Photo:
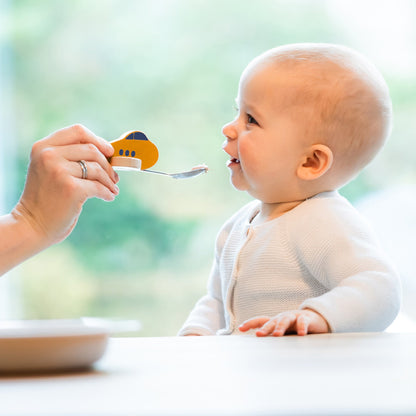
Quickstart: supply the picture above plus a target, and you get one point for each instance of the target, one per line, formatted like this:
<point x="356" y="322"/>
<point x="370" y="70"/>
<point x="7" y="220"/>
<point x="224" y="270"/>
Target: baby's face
<point x="265" y="143"/>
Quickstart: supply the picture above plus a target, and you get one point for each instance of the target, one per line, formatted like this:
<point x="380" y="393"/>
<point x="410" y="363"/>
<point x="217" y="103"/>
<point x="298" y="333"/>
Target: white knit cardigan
<point x="321" y="255"/>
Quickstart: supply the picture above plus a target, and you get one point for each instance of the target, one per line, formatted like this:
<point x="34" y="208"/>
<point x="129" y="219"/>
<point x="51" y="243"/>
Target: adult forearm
<point x="18" y="241"/>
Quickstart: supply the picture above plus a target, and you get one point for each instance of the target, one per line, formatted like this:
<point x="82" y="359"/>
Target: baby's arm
<point x="301" y="322"/>
<point x="207" y="316"/>
<point x="339" y="250"/>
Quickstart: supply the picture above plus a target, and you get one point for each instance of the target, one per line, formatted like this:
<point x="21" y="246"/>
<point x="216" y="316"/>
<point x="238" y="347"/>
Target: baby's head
<point x="321" y="111"/>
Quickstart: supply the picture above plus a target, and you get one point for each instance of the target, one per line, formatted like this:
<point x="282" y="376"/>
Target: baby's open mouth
<point x="232" y="161"/>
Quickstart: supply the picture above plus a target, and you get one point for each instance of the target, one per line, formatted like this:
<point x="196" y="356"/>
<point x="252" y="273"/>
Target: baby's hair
<point x="343" y="99"/>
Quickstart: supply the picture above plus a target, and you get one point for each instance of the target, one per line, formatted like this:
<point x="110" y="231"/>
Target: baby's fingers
<point x="267" y="329"/>
<point x="252" y="323"/>
<point x="283" y="323"/>
<point x="302" y="324"/>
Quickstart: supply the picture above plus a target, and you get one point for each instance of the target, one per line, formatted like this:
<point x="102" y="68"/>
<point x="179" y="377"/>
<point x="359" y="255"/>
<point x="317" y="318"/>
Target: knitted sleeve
<point x="339" y="250"/>
<point x="207" y="316"/>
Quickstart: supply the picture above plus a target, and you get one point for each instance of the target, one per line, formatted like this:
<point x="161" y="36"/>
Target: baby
<point x="299" y="258"/>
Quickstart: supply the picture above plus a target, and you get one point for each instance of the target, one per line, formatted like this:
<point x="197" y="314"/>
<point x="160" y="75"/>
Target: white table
<point x="337" y="374"/>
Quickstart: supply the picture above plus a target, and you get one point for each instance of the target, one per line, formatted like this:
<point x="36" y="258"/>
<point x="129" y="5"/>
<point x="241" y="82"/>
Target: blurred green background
<point x="169" y="68"/>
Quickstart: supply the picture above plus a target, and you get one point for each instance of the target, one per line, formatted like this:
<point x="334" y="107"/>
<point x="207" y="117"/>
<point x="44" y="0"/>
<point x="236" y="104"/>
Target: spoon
<point x="131" y="164"/>
<point x="181" y="175"/>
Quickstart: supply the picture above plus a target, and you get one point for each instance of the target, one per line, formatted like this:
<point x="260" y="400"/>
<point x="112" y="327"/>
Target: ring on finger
<point x="84" y="169"/>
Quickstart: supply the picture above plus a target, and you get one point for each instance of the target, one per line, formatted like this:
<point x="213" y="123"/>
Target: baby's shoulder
<point x="326" y="214"/>
<point x="244" y="215"/>
<point x="238" y="220"/>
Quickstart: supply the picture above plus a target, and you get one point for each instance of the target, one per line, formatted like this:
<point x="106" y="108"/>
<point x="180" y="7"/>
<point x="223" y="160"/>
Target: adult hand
<point x="55" y="192"/>
<point x="302" y="322"/>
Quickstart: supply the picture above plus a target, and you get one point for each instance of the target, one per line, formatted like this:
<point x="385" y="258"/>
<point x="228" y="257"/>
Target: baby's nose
<point x="229" y="131"/>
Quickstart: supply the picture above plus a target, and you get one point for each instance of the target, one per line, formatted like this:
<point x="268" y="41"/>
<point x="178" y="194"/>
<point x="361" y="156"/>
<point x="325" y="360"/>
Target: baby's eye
<point x="251" y="119"/>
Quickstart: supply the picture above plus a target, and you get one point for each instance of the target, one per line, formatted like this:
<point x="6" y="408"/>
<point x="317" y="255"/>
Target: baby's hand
<point x="302" y="322"/>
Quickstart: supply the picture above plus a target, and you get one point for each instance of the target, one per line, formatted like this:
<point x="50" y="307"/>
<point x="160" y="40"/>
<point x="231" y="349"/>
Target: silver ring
<point x="83" y="168"/>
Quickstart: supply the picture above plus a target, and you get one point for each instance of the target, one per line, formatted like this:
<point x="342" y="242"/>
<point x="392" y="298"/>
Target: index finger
<point x="255" y="322"/>
<point x="78" y="134"/>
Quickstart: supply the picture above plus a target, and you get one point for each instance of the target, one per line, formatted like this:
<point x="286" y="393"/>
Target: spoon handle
<point x="180" y="175"/>
<point x="156" y="172"/>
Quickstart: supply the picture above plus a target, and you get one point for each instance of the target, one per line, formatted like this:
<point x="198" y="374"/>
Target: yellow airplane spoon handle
<point x="134" y="149"/>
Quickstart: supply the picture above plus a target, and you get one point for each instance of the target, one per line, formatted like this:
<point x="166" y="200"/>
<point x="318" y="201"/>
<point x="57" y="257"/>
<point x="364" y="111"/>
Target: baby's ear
<point x="315" y="162"/>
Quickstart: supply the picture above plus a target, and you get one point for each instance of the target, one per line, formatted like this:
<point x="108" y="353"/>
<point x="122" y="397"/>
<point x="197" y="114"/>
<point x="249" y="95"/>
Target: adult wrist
<point x="33" y="236"/>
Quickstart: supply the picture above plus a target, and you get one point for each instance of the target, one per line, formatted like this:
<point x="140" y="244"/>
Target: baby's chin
<point x="238" y="183"/>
